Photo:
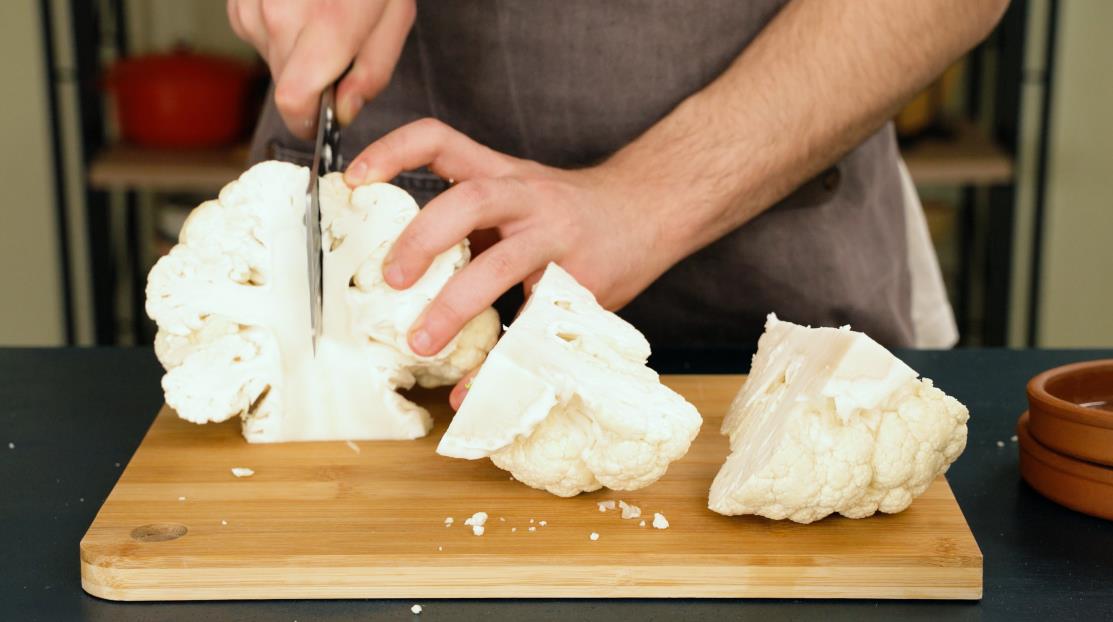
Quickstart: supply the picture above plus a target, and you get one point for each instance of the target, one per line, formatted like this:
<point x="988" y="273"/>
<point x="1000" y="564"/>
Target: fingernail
<point x="393" y="274"/>
<point x="458" y="395"/>
<point x="420" y="341"/>
<point x="357" y="172"/>
<point x="352" y="106"/>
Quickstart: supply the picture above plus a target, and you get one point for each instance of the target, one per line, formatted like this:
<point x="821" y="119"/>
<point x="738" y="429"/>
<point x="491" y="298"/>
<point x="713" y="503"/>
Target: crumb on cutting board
<point x="659" y="521"/>
<point x="477" y="522"/>
<point x="594" y="536"/>
<point x="606" y="505"/>
<point x="629" y="511"/>
<point x="242" y="471"/>
<point x="353" y="447"/>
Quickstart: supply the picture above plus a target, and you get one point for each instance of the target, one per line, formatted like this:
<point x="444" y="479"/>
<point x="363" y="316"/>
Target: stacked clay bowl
<point x="1066" y="437"/>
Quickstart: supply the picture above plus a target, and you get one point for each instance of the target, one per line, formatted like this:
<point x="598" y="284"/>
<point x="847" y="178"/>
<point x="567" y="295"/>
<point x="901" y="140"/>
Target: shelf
<point x="969" y="157"/>
<point x="125" y="167"/>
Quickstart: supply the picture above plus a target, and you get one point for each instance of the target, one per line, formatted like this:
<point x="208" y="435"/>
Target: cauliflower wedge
<point x="830" y="421"/>
<point x="566" y="403"/>
<point x="232" y="306"/>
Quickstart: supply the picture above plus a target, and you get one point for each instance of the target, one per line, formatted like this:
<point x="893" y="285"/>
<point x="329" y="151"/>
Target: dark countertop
<point x="76" y="415"/>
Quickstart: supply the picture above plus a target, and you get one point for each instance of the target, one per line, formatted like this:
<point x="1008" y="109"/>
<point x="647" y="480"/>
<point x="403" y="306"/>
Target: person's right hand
<point x="309" y="43"/>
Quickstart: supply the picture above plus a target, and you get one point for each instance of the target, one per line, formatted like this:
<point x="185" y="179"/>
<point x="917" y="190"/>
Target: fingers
<point x="529" y="282"/>
<point x="282" y="20"/>
<point x="445" y="221"/>
<point x="321" y="52"/>
<point x="246" y="19"/>
<point x="460" y="391"/>
<point x="426" y="142"/>
<point x="475" y="288"/>
<point x="373" y="66"/>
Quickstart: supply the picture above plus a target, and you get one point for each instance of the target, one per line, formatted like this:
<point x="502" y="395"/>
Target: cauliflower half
<point x="566" y="403"/>
<point x="232" y="306"/>
<point x="830" y="421"/>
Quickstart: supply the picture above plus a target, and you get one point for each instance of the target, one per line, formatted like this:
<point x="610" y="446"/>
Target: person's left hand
<point x="588" y="221"/>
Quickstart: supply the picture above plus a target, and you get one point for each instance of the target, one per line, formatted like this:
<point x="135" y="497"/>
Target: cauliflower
<point x="566" y="403"/>
<point x="830" y="421"/>
<point x="232" y="307"/>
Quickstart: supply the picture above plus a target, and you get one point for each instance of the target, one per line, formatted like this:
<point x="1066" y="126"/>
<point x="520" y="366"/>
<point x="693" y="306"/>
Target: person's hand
<point x="309" y="43"/>
<point x="587" y="220"/>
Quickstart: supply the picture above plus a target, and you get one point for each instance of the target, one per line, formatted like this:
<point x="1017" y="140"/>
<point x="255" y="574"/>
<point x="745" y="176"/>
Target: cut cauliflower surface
<point x="566" y="403"/>
<point x="830" y="421"/>
<point x="232" y="306"/>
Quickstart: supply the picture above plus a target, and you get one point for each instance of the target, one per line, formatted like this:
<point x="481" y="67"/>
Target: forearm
<point x="818" y="80"/>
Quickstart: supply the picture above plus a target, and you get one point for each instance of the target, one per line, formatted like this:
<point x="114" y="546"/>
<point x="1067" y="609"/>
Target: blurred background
<point x="124" y="114"/>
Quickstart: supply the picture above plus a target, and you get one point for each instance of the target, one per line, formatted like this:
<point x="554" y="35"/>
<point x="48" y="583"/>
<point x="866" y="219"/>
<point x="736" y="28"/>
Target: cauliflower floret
<point x="232" y="306"/>
<point x="566" y="403"/>
<point x="829" y="421"/>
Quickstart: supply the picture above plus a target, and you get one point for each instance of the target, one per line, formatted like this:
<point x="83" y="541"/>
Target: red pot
<point x="180" y="99"/>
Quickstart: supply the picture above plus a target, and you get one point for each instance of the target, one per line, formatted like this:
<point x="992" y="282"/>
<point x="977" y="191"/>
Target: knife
<point x="326" y="159"/>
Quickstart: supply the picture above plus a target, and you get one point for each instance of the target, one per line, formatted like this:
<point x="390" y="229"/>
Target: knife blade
<point x="326" y="159"/>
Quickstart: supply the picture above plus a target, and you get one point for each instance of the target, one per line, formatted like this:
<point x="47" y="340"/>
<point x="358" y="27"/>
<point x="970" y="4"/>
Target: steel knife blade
<point x="326" y="158"/>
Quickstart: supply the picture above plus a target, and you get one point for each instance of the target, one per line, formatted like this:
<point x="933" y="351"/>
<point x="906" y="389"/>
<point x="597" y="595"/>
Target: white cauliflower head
<point x="232" y="306"/>
<point x="566" y="403"/>
<point x="830" y="421"/>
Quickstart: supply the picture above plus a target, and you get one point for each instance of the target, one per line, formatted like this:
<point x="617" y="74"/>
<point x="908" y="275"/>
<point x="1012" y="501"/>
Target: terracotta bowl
<point x="1072" y="410"/>
<point x="1078" y="485"/>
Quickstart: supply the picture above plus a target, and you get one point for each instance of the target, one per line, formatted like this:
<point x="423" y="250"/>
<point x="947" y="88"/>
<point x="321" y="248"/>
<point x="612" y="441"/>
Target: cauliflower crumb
<point x="513" y="529"/>
<point x="533" y="528"/>
<point x="242" y="472"/>
<point x="117" y="465"/>
<point x="629" y="511"/>
<point x="448" y="520"/>
<point x="223" y="522"/>
<point x="11" y="445"/>
<point x="181" y="498"/>
<point x="416" y="609"/>
<point x="502" y="519"/>
<point x="353" y="446"/>
<point x="476" y="523"/>
<point x="606" y="505"/>
<point x="1013" y="438"/>
<point x="1000" y="443"/>
<point x="659" y="521"/>
<point x="543" y="523"/>
<point x="531" y="521"/>
<point x="440" y="548"/>
<point x="594" y="536"/>
<point x="641" y="524"/>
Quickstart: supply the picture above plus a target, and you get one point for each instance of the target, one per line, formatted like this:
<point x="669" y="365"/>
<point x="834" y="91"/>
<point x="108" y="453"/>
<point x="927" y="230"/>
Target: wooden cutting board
<point x="322" y="520"/>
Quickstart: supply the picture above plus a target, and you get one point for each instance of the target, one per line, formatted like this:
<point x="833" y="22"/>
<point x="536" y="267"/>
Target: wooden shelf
<point x="969" y="157"/>
<point x="125" y="167"/>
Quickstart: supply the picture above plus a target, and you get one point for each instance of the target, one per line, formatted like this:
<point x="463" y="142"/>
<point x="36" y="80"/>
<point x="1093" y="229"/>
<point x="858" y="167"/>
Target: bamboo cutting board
<point x="321" y="520"/>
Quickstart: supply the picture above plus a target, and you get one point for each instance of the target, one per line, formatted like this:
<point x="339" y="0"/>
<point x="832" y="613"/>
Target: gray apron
<point x="568" y="83"/>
